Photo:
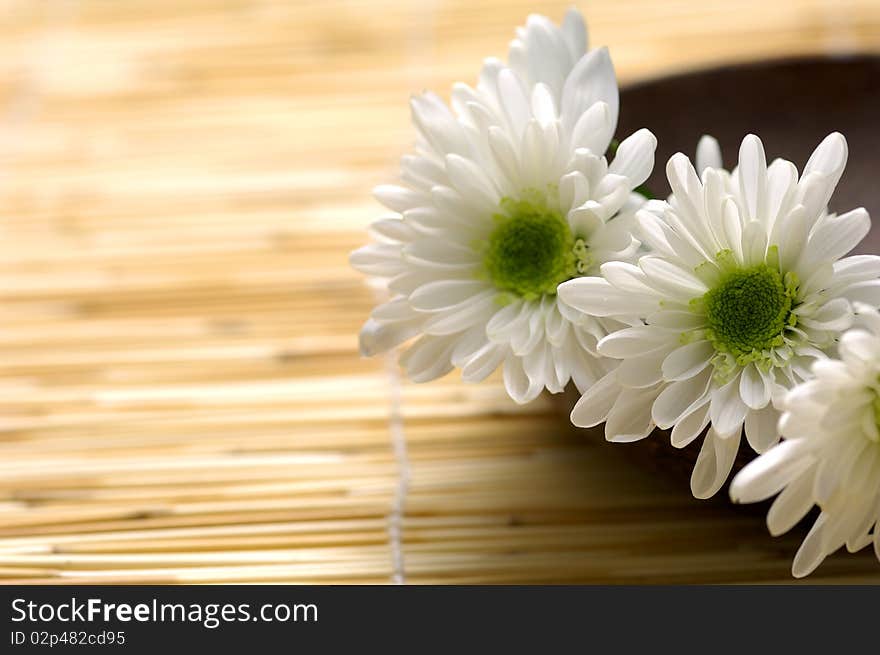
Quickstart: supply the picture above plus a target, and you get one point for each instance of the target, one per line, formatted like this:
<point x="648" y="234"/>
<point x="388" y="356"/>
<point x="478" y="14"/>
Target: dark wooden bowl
<point x="792" y="105"/>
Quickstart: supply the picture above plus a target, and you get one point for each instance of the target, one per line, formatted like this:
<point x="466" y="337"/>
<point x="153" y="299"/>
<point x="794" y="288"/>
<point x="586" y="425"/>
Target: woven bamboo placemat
<point x="181" y="399"/>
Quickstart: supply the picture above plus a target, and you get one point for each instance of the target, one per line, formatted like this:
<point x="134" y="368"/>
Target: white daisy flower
<point x="745" y="287"/>
<point x="831" y="453"/>
<point x="505" y="197"/>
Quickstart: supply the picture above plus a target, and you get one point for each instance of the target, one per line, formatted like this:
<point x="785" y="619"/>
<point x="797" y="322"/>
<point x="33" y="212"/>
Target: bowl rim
<point x="752" y="65"/>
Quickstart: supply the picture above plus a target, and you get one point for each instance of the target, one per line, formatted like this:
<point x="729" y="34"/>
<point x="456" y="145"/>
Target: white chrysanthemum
<point x="505" y="198"/>
<point x="745" y="287"/>
<point x="831" y="453"/>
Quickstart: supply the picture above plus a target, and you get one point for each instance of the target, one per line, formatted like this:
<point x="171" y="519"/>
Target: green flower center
<point x="748" y="312"/>
<point x="532" y="250"/>
<point x="876" y="407"/>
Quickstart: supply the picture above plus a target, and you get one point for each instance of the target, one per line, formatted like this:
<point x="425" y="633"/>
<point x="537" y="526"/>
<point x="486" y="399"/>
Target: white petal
<point x="397" y="309"/>
<point x="630" y="418"/>
<point x="392" y="229"/>
<point x="438" y="125"/>
<point x="635" y="157"/>
<point x="376" y="337"/>
<point x="812" y="552"/>
<point x="708" y="154"/>
<point x="483" y="363"/>
<point x="470" y="181"/>
<point x="866" y="317"/>
<point x="791" y="505"/>
<point x="670" y="279"/>
<point x="381" y="259"/>
<point x="573" y="190"/>
<point x="505" y="156"/>
<point x="463" y="95"/>
<point x="421" y="172"/>
<point x="594" y="405"/>
<point x="477" y="310"/>
<point x="507" y="321"/>
<point x="532" y="333"/>
<point x="688" y="192"/>
<point x="538" y="365"/>
<point x="835" y="315"/>
<point x="752" y="173"/>
<point x="476" y="116"/>
<point x="441" y="253"/>
<point x="468" y="344"/>
<point x="864" y="292"/>
<point x="640" y="372"/>
<point x="829" y="158"/>
<point x="596" y="297"/>
<point x="877" y="540"/>
<point x="586" y="220"/>
<point x="713" y="463"/>
<point x="586" y="370"/>
<point x="762" y="428"/>
<point x="727" y="410"/>
<point x="679" y="397"/>
<point x="793" y="232"/>
<point x="615" y="238"/>
<point x="675" y="319"/>
<point x="688" y="360"/>
<point x="488" y="80"/>
<point x="689" y="426"/>
<point x="732" y="224"/>
<point x="766" y="475"/>
<point x="831" y="472"/>
<point x="575" y="33"/>
<point x="855" y="543"/>
<point x="821" y="279"/>
<point x="837" y="236"/>
<point x="428" y="358"/>
<point x="593" y="129"/>
<point x="859" y="345"/>
<point x="813" y="193"/>
<point x="433" y="219"/>
<point x="413" y="277"/>
<point x="516" y="382"/>
<point x="636" y="341"/>
<point x="856" y="268"/>
<point x="444" y="294"/>
<point x="626" y="277"/>
<point x="592" y="80"/>
<point x="661" y="239"/>
<point x="753" y="388"/>
<point x="546" y="55"/>
<point x="556" y="326"/>
<point x="543" y="107"/>
<point x="782" y="177"/>
<point x="754" y="243"/>
<point x="514" y="101"/>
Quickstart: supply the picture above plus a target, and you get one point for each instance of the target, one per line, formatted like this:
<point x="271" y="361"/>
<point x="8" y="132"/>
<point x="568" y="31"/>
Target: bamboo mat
<point x="181" y="399"/>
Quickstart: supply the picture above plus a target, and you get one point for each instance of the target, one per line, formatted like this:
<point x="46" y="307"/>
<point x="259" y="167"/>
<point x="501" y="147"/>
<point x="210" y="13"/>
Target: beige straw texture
<point x="181" y="398"/>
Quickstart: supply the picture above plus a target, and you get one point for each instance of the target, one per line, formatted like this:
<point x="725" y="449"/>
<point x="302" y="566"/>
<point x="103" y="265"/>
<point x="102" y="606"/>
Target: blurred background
<point x="181" y="398"/>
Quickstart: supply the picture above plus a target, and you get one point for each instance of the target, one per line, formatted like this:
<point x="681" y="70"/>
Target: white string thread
<point x="401" y="458"/>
